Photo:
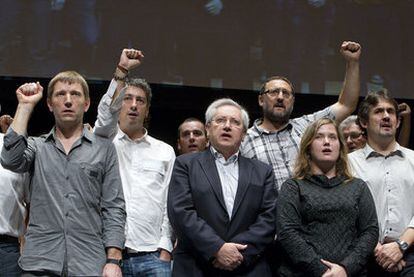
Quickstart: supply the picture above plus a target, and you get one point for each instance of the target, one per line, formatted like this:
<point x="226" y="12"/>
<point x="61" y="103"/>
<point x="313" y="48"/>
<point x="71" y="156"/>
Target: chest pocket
<point x="154" y="170"/>
<point x="94" y="175"/>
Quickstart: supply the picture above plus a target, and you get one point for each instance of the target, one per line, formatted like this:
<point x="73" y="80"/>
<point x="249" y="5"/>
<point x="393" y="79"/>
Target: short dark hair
<point x="263" y="87"/>
<point x="189" y="119"/>
<point x="371" y="100"/>
<point x="142" y="84"/>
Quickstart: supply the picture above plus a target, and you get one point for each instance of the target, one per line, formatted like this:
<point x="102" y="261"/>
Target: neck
<point x="272" y="125"/>
<point x="383" y="146"/>
<point x="328" y="170"/>
<point x="134" y="133"/>
<point x="69" y="132"/>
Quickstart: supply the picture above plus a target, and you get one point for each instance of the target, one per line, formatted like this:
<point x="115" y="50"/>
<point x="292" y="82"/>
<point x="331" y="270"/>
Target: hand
<point x="398" y="267"/>
<point x="334" y="270"/>
<point x="351" y="51"/>
<point x="130" y="58"/>
<point x="29" y="94"/>
<point x="5" y="122"/>
<point x="165" y="255"/>
<point x="404" y="110"/>
<point x="214" y="7"/>
<point x="389" y="255"/>
<point x="229" y="256"/>
<point x="112" y="270"/>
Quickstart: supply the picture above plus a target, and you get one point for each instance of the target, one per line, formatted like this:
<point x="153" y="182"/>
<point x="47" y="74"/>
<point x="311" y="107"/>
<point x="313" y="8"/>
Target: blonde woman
<point x="326" y="219"/>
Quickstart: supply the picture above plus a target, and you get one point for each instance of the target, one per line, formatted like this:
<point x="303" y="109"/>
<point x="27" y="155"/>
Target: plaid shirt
<point x="279" y="148"/>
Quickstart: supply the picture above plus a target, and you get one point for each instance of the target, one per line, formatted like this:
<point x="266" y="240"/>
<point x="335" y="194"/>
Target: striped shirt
<point x="279" y="148"/>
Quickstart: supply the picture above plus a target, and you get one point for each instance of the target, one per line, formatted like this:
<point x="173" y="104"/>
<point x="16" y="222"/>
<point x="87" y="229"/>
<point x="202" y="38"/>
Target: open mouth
<point x="326" y="151"/>
<point x="226" y="135"/>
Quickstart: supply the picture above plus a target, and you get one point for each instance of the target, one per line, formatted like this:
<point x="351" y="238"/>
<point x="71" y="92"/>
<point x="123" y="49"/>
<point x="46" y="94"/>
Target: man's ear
<point x="49" y="105"/>
<point x="260" y="100"/>
<point x="86" y="105"/>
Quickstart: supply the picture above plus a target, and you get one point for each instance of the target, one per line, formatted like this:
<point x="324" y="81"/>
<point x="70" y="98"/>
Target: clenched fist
<point x="29" y="93"/>
<point x="130" y="58"/>
<point x="350" y="50"/>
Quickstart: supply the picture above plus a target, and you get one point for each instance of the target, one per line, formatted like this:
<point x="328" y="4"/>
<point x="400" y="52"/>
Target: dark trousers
<point x="374" y="270"/>
<point x="9" y="256"/>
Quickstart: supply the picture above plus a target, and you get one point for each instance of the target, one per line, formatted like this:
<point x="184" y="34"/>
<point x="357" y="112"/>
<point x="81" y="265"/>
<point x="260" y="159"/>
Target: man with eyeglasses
<point x="353" y="134"/>
<point x="274" y="139"/>
<point x="145" y="165"/>
<point x="222" y="205"/>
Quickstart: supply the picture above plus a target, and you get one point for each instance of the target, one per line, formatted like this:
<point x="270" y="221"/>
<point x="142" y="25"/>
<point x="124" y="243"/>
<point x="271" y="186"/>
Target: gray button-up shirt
<point x="77" y="206"/>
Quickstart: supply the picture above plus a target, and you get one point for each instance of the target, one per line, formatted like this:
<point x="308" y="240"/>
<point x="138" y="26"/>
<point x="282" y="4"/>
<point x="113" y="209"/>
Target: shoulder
<point x="160" y="143"/>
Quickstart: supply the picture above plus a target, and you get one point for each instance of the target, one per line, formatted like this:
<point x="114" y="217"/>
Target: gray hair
<point x="348" y="122"/>
<point x="212" y="109"/>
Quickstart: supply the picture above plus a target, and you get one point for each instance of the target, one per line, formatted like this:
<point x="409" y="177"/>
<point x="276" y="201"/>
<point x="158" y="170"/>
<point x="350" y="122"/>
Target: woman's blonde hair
<point x="303" y="160"/>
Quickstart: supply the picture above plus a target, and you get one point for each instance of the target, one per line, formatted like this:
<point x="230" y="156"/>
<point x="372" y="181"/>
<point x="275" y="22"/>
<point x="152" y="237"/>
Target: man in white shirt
<point x="13" y="193"/>
<point x="388" y="169"/>
<point x="145" y="166"/>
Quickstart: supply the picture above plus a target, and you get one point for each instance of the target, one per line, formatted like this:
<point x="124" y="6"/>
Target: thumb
<point x="328" y="264"/>
<point x="240" y="246"/>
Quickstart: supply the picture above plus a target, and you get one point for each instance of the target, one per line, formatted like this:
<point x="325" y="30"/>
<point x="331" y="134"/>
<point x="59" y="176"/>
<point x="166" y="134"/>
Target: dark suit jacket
<point x="199" y="217"/>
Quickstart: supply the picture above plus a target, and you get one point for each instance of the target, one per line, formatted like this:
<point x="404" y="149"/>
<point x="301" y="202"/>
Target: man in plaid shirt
<point x="274" y="139"/>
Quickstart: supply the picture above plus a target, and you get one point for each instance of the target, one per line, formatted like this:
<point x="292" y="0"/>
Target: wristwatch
<point x="402" y="245"/>
<point x="114" y="261"/>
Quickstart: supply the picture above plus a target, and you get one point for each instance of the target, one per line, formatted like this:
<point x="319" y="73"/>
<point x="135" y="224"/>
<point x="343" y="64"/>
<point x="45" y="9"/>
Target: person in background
<point x="326" y="219"/>
<point x="13" y="212"/>
<point x="191" y="136"/>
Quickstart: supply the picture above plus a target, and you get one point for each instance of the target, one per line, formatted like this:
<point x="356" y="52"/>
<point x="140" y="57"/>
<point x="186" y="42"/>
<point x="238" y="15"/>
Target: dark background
<point x="193" y="56"/>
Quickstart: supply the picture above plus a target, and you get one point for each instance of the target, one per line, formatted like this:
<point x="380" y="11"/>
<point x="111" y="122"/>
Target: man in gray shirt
<point x="77" y="214"/>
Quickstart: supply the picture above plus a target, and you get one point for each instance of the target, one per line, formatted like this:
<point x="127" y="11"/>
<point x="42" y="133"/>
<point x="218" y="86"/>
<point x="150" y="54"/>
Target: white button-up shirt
<point x="391" y="181"/>
<point x="228" y="171"/>
<point x="13" y="192"/>
<point x="146" y="166"/>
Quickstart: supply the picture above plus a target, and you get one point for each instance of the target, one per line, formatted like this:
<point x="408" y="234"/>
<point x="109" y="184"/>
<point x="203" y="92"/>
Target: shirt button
<point x="390" y="209"/>
<point x="388" y="172"/>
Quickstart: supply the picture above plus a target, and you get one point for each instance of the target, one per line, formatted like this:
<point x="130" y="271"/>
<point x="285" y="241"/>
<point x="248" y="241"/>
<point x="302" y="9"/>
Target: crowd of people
<point x="308" y="196"/>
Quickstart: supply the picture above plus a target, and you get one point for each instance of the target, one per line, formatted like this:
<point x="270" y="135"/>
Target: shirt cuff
<point x="166" y="243"/>
<point x="114" y="106"/>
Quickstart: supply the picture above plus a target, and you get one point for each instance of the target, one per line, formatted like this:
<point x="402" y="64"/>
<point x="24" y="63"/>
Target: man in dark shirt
<point x="77" y="209"/>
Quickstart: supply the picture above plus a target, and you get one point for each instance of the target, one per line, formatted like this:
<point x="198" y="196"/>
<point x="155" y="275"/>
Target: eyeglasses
<point x="353" y="135"/>
<point x="222" y="121"/>
<point x="276" y="91"/>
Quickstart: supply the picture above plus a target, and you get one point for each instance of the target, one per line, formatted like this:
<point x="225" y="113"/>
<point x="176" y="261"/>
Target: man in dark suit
<point x="220" y="204"/>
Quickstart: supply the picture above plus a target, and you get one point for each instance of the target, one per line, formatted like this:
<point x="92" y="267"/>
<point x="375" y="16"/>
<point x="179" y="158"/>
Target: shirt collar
<point x="219" y="157"/>
<point x="86" y="134"/>
<point x="145" y="138"/>
<point x="260" y="130"/>
<point x="369" y="152"/>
